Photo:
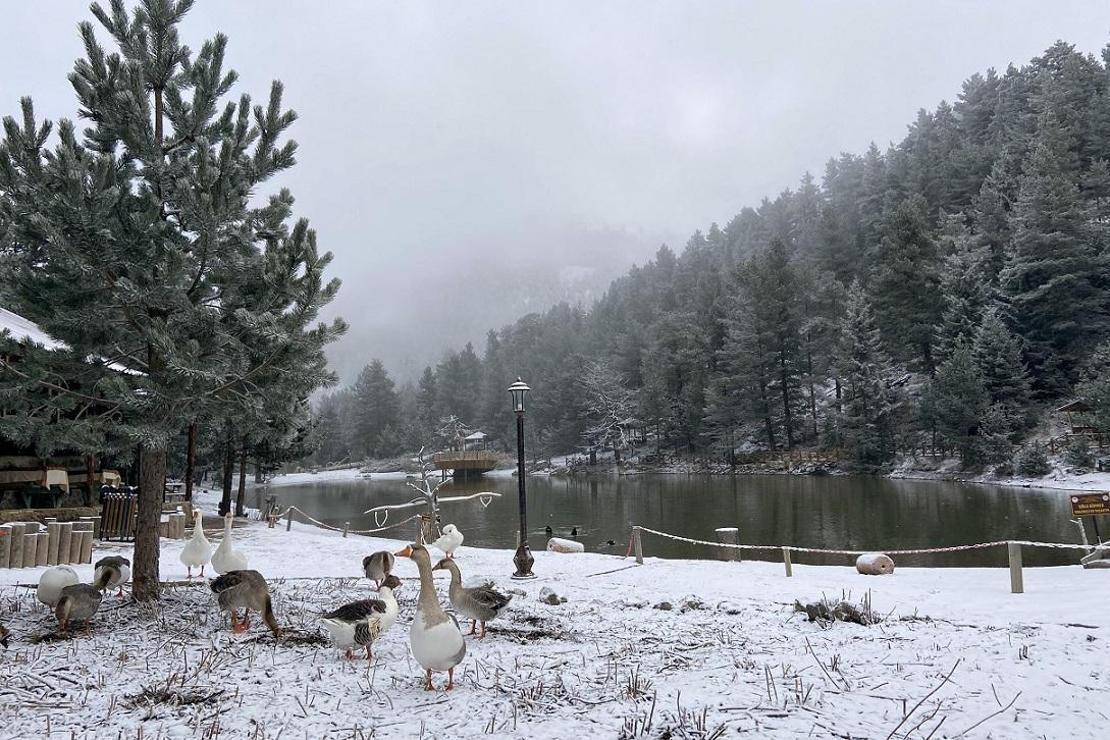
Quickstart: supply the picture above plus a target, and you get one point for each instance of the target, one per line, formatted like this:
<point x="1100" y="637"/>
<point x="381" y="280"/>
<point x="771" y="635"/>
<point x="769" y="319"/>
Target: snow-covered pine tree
<point x="906" y="286"/>
<point x="1055" y="269"/>
<point x="136" y="242"/>
<point x="965" y="286"/>
<point x="377" y="409"/>
<point x="997" y="355"/>
<point x="865" y="424"/>
<point x="959" y="400"/>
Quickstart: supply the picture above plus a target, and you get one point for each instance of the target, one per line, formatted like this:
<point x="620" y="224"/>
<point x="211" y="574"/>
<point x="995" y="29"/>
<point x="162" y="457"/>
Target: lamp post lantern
<point x="523" y="558"/>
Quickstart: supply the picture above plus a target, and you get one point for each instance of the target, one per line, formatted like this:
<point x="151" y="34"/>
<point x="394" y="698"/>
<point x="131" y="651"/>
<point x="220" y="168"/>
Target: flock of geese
<point x="435" y="637"/>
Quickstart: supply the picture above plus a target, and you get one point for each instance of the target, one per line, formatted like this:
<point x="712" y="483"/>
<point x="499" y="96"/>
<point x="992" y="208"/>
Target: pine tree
<point x="959" y="401"/>
<point x="906" y="285"/>
<point x="965" y="285"/>
<point x="866" y="422"/>
<point x="1055" y="272"/>
<point x="377" y="410"/>
<point x="997" y="355"/>
<point x="150" y="211"/>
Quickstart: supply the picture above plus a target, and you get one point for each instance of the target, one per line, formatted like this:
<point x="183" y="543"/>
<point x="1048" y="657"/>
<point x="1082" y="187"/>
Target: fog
<point x="468" y="162"/>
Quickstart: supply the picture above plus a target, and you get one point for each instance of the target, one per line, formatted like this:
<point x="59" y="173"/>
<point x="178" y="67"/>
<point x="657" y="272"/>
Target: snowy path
<point x="731" y="653"/>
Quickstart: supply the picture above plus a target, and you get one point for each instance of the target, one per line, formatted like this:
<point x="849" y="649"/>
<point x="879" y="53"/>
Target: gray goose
<point x="4" y="636"/>
<point x="112" y="572"/>
<point x="77" y="603"/>
<point x="362" y="622"/>
<point x="246" y="590"/>
<point x="377" y="566"/>
<point x="480" y="603"/>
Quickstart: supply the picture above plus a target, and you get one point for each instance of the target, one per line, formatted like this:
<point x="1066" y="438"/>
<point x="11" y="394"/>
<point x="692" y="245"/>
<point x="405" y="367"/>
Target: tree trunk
<point x="787" y="416"/>
<point x="617" y="455"/>
<point x="258" y="472"/>
<point x="190" y="460"/>
<point x="241" y="495"/>
<point x="229" y="464"/>
<point x="144" y="573"/>
<point x="90" y="484"/>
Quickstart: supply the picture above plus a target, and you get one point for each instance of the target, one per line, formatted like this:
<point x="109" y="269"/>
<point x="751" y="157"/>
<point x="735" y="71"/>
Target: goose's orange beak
<point x="405" y="552"/>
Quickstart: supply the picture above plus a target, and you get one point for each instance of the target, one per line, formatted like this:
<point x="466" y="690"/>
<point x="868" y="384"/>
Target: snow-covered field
<point x="956" y="655"/>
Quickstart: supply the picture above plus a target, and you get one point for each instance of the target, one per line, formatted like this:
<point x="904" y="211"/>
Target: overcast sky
<point x="454" y="155"/>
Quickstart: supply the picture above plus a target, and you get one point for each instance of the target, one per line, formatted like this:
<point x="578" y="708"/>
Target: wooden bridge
<point x="465" y="463"/>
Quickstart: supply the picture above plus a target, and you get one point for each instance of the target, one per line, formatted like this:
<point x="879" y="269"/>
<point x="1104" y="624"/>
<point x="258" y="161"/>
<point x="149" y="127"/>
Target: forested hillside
<point x="933" y="294"/>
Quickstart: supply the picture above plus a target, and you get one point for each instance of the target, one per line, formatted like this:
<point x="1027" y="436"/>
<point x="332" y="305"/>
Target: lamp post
<point x="523" y="558"/>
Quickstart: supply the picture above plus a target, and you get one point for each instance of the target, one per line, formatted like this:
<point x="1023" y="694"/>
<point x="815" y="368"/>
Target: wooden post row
<point x="637" y="546"/>
<point x="786" y="562"/>
<point x="5" y="545"/>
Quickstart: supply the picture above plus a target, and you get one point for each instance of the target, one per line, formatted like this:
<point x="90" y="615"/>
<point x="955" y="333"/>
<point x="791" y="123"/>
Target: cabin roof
<point x="1078" y="407"/>
<point x="475" y="436"/>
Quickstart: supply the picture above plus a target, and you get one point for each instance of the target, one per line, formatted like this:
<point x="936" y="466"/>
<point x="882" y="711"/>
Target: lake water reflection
<point x="833" y="512"/>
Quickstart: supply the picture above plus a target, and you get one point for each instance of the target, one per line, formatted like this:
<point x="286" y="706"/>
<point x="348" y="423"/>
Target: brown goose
<point x="480" y="603"/>
<point x="246" y="590"/>
<point x="378" y="566"/>
<point x="77" y="603"/>
<point x="435" y="639"/>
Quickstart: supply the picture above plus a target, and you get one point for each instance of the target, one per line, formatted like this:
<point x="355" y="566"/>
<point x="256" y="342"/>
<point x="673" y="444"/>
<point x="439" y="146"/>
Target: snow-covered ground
<point x="611" y="661"/>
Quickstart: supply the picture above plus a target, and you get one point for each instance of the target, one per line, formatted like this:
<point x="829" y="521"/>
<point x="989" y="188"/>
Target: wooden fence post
<point x="16" y="558"/>
<point x="637" y="546"/>
<point x="289" y="519"/>
<point x="65" y="534"/>
<point x="1016" y="584"/>
<point x="729" y="536"/>
<point x="346" y="528"/>
<point x="54" y="533"/>
<point x="42" y="548"/>
<point x="786" y="562"/>
<point x="5" y="545"/>
<point x="30" y="547"/>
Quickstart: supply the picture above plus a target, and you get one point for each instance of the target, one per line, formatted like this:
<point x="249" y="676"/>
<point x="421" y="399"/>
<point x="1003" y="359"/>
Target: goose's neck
<point x="227" y="527"/>
<point x="428" y="600"/>
<point x="456" y="576"/>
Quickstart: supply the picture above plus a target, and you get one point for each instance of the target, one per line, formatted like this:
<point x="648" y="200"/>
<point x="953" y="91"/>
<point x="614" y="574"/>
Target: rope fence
<point x="287" y="515"/>
<point x="1013" y="549"/>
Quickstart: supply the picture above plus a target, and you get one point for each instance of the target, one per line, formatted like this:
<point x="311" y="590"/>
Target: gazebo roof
<point x="475" y="436"/>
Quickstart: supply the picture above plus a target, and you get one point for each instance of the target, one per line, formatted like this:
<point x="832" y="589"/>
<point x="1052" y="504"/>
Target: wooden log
<point x="42" y="549"/>
<point x="86" y="545"/>
<point x="637" y="546"/>
<point x="5" y="545"/>
<point x="346" y="528"/>
<point x="289" y="519"/>
<point x="30" y="548"/>
<point x="1017" y="584"/>
<point x="65" y="535"/>
<point x="54" y="532"/>
<point x="786" y="562"/>
<point x="728" y="536"/>
<point x="16" y="557"/>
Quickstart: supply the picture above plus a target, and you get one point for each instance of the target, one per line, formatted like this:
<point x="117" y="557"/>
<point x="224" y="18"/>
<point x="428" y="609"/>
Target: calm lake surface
<point x="853" y="513"/>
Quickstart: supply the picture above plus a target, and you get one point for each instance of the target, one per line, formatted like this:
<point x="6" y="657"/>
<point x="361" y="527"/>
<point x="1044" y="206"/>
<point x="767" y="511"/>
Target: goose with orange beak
<point x="435" y="638"/>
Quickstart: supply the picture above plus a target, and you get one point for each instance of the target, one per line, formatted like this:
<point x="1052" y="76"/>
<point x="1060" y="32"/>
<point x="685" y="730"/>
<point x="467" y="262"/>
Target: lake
<point x="852" y="513"/>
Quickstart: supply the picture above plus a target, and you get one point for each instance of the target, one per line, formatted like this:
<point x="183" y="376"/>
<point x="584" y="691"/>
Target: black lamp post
<point x="523" y="558"/>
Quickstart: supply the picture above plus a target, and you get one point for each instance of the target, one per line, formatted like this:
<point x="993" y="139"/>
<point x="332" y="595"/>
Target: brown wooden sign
<point x="1090" y="504"/>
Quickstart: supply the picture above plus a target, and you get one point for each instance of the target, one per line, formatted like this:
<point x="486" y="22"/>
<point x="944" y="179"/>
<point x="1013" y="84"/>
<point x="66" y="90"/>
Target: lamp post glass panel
<point x="523" y="558"/>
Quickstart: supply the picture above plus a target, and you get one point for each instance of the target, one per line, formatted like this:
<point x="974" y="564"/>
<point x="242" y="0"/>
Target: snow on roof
<point x="24" y="330"/>
<point x="476" y="435"/>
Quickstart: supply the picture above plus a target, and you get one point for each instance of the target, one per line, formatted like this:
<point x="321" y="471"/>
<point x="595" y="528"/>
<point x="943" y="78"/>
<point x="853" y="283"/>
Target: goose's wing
<point x="113" y="561"/>
<point x="357" y="611"/>
<point x="490" y="597"/>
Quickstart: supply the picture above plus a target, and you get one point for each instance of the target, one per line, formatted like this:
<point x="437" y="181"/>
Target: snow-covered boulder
<point x="874" y="564"/>
<point x="558" y="544"/>
<point x="548" y="596"/>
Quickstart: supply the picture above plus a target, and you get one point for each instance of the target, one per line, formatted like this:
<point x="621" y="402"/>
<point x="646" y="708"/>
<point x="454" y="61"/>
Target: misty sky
<point x="469" y="161"/>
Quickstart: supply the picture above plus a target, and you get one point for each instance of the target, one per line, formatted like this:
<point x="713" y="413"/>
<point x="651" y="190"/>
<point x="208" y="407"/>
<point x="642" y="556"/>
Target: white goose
<point x="198" y="550"/>
<point x="435" y="639"/>
<point x="449" y="541"/>
<point x="52" y="582"/>
<point x="227" y="558"/>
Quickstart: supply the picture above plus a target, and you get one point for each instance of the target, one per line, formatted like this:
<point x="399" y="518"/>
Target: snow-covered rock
<point x="874" y="564"/>
<point x="558" y="544"/>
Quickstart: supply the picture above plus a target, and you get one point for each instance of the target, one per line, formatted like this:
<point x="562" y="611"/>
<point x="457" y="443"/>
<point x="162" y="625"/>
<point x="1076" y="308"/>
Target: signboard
<point x="1090" y="504"/>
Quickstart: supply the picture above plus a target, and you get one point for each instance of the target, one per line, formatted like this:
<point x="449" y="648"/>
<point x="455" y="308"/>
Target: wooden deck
<point x="465" y="463"/>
